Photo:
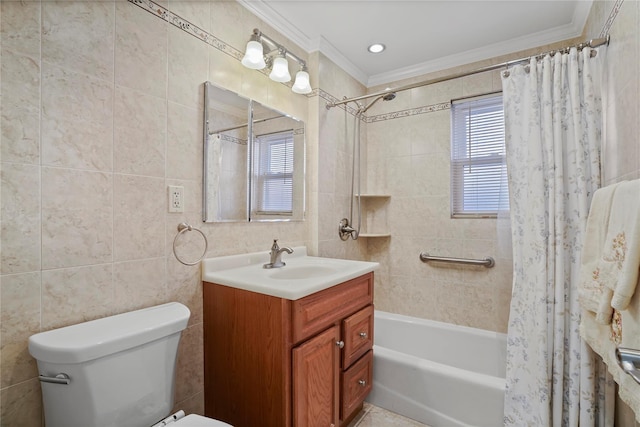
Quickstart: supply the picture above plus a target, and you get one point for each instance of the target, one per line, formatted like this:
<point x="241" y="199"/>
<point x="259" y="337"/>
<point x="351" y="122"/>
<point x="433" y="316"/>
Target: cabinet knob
<point x="340" y="344"/>
<point x="363" y="383"/>
<point x="363" y="335"/>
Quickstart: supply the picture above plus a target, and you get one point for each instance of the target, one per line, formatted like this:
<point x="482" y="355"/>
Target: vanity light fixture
<point x="302" y="85"/>
<point x="376" y="48"/>
<point x="280" y="69"/>
<point x="275" y="57"/>
<point x="254" y="56"/>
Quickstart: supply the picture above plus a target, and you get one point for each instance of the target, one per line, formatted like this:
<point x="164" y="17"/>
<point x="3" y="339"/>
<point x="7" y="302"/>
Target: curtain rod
<point x="591" y="43"/>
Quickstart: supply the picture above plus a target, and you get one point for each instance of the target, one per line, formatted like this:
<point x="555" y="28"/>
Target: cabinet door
<point x="316" y="366"/>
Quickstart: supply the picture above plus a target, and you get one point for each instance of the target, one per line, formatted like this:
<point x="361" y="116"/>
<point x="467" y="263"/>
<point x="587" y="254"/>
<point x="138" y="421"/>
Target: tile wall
<point x="102" y="109"/>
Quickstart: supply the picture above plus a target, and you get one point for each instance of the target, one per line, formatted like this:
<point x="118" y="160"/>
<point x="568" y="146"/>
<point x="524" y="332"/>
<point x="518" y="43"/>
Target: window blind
<point x="478" y="163"/>
<point x="274" y="175"/>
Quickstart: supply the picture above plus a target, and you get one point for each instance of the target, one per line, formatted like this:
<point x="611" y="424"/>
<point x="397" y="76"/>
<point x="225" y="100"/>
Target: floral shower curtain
<point x="553" y="131"/>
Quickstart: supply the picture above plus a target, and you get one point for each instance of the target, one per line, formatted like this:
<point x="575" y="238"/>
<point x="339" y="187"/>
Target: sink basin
<point x="301" y="276"/>
<point x="305" y="272"/>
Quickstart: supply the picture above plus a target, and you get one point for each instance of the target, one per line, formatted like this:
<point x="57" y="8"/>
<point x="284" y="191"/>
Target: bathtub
<point x="437" y="373"/>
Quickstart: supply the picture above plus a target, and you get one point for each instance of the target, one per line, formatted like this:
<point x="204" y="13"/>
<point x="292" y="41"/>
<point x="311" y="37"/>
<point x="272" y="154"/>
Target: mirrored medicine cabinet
<point x="254" y="160"/>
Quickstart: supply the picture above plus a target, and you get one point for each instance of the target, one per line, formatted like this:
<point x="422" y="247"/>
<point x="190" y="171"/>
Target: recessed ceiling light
<point x="376" y="48"/>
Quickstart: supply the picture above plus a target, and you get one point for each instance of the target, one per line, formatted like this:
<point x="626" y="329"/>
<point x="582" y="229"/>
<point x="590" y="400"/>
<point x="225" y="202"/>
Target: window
<point x="274" y="173"/>
<point x="478" y="163"/>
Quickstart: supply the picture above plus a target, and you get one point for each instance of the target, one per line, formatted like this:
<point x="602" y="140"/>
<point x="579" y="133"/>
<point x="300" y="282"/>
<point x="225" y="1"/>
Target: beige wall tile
<point x="20" y="215"/>
<point x="75" y="295"/>
<point x="20" y="318"/>
<point x="138" y="223"/>
<point x="225" y="70"/>
<point x="20" y="27"/>
<point x="184" y="285"/>
<point x="188" y="69"/>
<point x="77" y="218"/>
<point x="79" y="36"/>
<point x="184" y="142"/>
<point x="139" y="284"/>
<point x="140" y="133"/>
<point x="77" y="120"/>
<point x="140" y="50"/>
<point x="20" y="121"/>
<point x="190" y="363"/>
<point x="21" y="405"/>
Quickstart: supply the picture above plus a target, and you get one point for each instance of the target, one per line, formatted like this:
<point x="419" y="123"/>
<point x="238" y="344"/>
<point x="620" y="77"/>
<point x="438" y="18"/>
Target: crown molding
<point x="262" y="10"/>
<point x="531" y="41"/>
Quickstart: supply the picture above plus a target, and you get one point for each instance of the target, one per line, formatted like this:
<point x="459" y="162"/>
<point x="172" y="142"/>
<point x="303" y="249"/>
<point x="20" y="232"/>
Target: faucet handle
<point x="275" y="246"/>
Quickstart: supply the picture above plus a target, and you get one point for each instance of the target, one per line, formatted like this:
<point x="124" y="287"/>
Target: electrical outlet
<point x="176" y="198"/>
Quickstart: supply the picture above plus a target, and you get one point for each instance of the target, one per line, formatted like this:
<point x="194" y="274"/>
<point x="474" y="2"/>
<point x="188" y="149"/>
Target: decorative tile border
<point x="612" y="17"/>
<point x="409" y="112"/>
<point x="233" y="139"/>
<point x="331" y="99"/>
<point x="186" y="26"/>
<point x="240" y="141"/>
<point x="387" y="116"/>
<point x="197" y="32"/>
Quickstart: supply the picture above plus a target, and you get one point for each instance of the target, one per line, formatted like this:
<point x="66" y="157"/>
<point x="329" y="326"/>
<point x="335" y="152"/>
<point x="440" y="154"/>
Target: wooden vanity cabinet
<point x="273" y="362"/>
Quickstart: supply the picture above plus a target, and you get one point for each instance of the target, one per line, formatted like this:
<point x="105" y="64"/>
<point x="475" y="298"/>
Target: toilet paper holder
<point x="629" y="360"/>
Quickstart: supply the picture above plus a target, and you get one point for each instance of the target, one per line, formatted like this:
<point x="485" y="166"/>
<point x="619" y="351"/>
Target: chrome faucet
<point x="276" y="254"/>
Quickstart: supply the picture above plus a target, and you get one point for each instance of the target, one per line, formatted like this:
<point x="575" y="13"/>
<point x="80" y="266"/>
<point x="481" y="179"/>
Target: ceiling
<point x="421" y="36"/>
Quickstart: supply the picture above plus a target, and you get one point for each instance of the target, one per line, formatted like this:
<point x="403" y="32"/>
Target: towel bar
<point x="487" y="262"/>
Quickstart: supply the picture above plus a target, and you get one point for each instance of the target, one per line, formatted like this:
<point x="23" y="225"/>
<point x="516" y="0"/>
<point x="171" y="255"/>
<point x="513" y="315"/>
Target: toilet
<point x="117" y="371"/>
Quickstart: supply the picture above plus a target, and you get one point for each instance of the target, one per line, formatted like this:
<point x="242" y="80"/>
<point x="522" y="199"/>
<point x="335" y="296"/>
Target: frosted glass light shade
<point x="302" y="84"/>
<point x="280" y="71"/>
<point x="253" y="56"/>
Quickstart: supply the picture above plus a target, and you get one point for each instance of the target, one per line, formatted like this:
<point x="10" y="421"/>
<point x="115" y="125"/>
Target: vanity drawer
<point x="356" y="383"/>
<point x="357" y="333"/>
<point x="317" y="311"/>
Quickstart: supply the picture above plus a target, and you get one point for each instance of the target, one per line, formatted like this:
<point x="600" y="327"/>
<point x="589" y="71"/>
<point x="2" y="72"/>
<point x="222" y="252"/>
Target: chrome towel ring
<point x="183" y="227"/>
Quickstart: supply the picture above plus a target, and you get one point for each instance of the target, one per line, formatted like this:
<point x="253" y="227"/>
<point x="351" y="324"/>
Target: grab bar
<point x="487" y="262"/>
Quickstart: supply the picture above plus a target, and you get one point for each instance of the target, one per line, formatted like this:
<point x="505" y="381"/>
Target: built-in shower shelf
<point x="374" y="207"/>
<point x="374" y="196"/>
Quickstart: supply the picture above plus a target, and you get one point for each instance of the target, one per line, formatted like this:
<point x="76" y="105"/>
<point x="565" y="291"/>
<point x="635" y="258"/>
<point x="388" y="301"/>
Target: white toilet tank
<point x="120" y="369"/>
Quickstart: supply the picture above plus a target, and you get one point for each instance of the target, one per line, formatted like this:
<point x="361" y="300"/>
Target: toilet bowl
<point x="118" y="371"/>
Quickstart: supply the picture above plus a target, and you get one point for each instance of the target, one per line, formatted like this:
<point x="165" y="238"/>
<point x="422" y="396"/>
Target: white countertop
<point x="301" y="276"/>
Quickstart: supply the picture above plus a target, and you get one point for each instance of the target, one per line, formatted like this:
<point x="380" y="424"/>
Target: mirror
<point x="254" y="161"/>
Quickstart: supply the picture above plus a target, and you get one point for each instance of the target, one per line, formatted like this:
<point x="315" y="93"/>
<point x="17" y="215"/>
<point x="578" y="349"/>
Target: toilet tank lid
<point x="97" y="338"/>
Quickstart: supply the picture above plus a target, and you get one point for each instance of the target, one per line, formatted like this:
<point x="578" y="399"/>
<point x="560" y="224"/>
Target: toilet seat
<point x="194" y="420"/>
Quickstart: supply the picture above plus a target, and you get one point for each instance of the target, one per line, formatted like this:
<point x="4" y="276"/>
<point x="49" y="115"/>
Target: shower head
<point x="386" y="97"/>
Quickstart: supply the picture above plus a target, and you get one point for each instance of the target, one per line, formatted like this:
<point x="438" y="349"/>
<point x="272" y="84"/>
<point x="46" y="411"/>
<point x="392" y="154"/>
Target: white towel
<point x="620" y="262"/>
<point x="593" y="295"/>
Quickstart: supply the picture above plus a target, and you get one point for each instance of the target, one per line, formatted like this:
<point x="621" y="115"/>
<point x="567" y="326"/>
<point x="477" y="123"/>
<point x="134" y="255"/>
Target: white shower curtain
<point x="553" y="131"/>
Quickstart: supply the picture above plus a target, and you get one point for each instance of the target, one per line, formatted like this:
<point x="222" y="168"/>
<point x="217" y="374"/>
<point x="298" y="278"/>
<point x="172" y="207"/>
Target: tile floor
<point x="373" y="416"/>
